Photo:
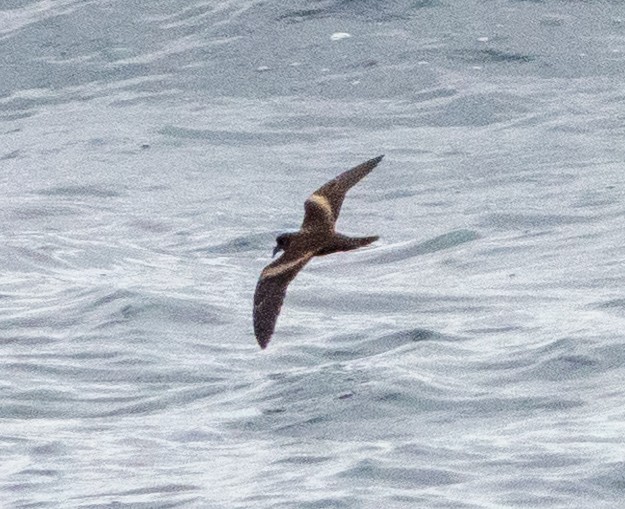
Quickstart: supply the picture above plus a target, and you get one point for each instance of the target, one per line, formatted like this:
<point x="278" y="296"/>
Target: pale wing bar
<point x="318" y="214"/>
<point x="323" y="206"/>
<point x="335" y="190"/>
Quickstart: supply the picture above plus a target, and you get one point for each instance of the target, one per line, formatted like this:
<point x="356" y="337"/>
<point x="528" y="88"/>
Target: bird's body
<point x="316" y="237"/>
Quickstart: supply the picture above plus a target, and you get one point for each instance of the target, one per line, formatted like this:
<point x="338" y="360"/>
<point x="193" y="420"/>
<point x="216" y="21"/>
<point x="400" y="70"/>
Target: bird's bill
<point x="276" y="250"/>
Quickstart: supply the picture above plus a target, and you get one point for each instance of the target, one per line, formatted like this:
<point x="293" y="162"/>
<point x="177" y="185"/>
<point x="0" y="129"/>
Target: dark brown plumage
<point x="316" y="237"/>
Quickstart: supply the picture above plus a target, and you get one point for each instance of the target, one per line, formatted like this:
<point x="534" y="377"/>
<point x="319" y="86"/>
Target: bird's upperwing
<point x="270" y="292"/>
<point x="323" y="206"/>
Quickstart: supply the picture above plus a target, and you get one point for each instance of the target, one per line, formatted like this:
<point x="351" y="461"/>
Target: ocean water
<point x="150" y="151"/>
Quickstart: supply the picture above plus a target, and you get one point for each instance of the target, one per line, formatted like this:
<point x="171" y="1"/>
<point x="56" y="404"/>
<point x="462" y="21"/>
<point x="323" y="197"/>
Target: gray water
<point x="150" y="151"/>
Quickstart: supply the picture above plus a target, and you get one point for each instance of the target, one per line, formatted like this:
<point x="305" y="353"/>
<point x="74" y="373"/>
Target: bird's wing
<point x="323" y="206"/>
<point x="270" y="292"/>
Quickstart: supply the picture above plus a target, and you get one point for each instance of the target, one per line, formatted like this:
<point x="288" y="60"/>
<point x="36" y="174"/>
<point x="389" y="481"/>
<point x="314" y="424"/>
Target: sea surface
<point x="150" y="152"/>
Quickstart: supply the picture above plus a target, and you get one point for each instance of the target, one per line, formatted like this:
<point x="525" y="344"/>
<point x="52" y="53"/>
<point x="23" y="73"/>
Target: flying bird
<point x="316" y="237"/>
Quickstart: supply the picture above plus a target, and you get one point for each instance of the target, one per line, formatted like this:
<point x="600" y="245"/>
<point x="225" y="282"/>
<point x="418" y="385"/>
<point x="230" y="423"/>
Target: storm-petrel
<point x="316" y="237"/>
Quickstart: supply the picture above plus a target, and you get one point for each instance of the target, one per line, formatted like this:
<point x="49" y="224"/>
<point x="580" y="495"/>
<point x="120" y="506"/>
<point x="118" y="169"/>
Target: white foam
<point x="337" y="36"/>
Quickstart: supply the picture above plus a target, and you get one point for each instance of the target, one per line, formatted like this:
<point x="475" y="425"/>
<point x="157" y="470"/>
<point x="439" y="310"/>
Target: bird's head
<point x="282" y="242"/>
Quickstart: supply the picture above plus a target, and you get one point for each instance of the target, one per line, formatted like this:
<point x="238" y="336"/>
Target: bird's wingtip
<point x="376" y="160"/>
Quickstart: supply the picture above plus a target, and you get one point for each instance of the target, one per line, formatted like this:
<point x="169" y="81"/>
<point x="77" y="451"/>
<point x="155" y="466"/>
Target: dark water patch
<point x="565" y="367"/>
<point x="557" y="360"/>
<point x="326" y="503"/>
<point x="48" y="404"/>
<point x="134" y="504"/>
<point x="391" y="302"/>
<point x="355" y="347"/>
<point x="419" y="396"/>
<point x="112" y="307"/>
<point x="28" y="213"/>
<point x="496" y="330"/>
<point x="364" y="64"/>
<point x="40" y="472"/>
<point x="546" y="461"/>
<point x="336" y="125"/>
<point x="411" y="336"/>
<point x="35" y="404"/>
<point x="171" y="309"/>
<point x="303" y="15"/>
<point x="295" y="401"/>
<point x="196" y="435"/>
<point x="558" y="346"/>
<point x="612" y="356"/>
<point x="367" y="401"/>
<point x="190" y="12"/>
<point x="373" y="10"/>
<point x="409" y="395"/>
<point x="504" y="251"/>
<point x="548" y="21"/>
<point x="557" y="405"/>
<point x="100" y="373"/>
<point x="23" y="105"/>
<point x="13" y="439"/>
<point x="304" y="423"/>
<point x="477" y="110"/>
<point x="393" y="195"/>
<point x="503" y="221"/>
<point x="425" y="4"/>
<point x="83" y="191"/>
<point x="241" y="244"/>
<point x="149" y="225"/>
<point x="238" y="137"/>
<point x="163" y="488"/>
<point x="52" y="448"/>
<point x="303" y="460"/>
<point x="43" y="257"/>
<point x="10" y="155"/>
<point x="16" y="116"/>
<point x="26" y="339"/>
<point x="76" y="355"/>
<point x="613" y="305"/>
<point x="442" y="242"/>
<point x="492" y="55"/>
<point x="527" y="500"/>
<point x="172" y="399"/>
<point x="40" y="320"/>
<point x="509" y="363"/>
<point x="370" y="11"/>
<point x="410" y="501"/>
<point x="273" y="411"/>
<point x="368" y="471"/>
<point x="430" y="95"/>
<point x="147" y="97"/>
<point x="111" y="297"/>
<point x="41" y="395"/>
<point x="611" y="479"/>
<point x="480" y="407"/>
